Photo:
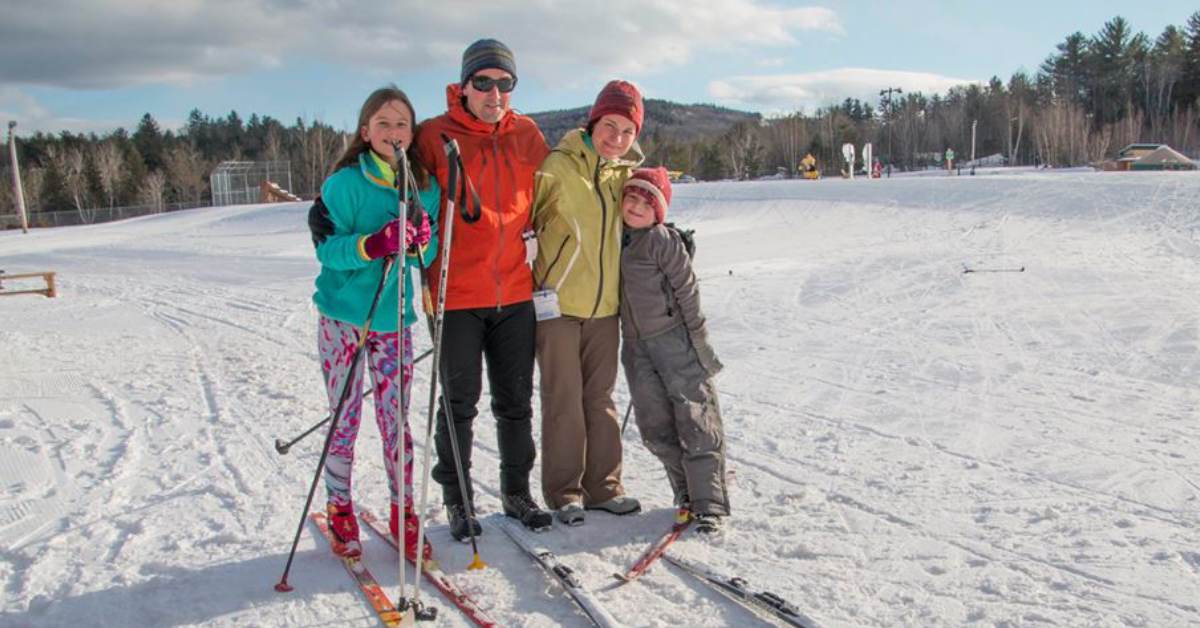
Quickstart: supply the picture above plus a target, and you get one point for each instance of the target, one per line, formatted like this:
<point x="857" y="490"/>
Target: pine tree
<point x="710" y="166"/>
<point x="149" y="141"/>
<point x="1066" y="71"/>
<point x="198" y="131"/>
<point x="91" y="179"/>
<point x="1164" y="71"/>
<point x="135" y="172"/>
<point x="1188" y="92"/>
<point x="1113" y="51"/>
<point x="54" y="194"/>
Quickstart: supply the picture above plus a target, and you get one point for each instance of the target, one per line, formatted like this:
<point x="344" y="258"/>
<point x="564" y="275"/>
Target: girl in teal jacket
<point x="355" y="225"/>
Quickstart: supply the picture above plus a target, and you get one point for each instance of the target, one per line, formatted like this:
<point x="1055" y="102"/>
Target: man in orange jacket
<point x="489" y="308"/>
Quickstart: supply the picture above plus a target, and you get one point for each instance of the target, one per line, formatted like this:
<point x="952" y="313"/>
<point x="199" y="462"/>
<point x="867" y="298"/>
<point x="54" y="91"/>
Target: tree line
<point x="156" y="167"/>
<point x="1090" y="97"/>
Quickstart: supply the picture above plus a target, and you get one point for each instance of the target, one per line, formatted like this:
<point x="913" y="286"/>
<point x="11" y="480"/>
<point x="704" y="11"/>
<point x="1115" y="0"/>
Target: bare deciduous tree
<point x="789" y="139"/>
<point x="154" y="190"/>
<point x="70" y="164"/>
<point x="110" y="164"/>
<point x="32" y="180"/>
<point x="319" y="146"/>
<point x="273" y="147"/>
<point x="743" y="150"/>
<point x="8" y="200"/>
<point x="186" y="173"/>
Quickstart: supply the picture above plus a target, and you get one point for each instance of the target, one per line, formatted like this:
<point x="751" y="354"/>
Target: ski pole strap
<point x="460" y="188"/>
<point x="407" y="182"/>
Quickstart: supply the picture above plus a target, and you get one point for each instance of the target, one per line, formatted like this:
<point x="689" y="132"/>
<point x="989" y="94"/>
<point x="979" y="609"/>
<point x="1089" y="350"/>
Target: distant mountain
<point x="669" y="119"/>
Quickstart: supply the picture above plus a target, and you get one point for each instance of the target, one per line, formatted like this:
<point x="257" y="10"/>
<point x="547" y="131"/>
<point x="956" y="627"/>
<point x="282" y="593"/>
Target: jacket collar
<point x="578" y="144"/>
<point x="370" y="167"/>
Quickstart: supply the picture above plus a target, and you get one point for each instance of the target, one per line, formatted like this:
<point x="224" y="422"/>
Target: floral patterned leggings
<point x="336" y="341"/>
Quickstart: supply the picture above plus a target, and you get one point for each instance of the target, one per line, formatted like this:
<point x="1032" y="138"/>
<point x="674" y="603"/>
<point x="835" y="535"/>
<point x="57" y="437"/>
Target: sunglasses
<point x="486" y="83"/>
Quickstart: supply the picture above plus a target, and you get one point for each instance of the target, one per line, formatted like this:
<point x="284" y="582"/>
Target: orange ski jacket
<point x="487" y="256"/>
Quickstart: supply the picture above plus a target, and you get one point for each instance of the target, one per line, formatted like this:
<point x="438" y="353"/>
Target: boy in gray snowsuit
<point x="668" y="362"/>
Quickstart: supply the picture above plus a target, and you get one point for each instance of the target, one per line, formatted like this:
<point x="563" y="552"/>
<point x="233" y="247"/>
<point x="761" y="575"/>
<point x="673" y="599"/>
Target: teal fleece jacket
<point x="360" y="201"/>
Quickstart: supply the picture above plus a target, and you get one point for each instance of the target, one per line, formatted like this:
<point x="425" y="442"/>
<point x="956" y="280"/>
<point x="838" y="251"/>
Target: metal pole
<point x="16" y="173"/>
<point x="974" y="123"/>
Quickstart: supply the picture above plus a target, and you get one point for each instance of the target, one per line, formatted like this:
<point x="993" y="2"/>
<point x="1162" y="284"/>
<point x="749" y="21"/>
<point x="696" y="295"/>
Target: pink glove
<point x="418" y="235"/>
<point x="384" y="242"/>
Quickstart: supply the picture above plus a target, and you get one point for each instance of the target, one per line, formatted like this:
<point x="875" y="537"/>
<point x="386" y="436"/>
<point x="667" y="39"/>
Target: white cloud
<point x="65" y="43"/>
<point x="770" y="62"/>
<point x="789" y="92"/>
<point x="31" y="116"/>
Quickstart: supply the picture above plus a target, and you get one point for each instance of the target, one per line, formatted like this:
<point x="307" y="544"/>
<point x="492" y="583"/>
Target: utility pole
<point x="974" y="123"/>
<point x="18" y="191"/>
<point x="890" y="108"/>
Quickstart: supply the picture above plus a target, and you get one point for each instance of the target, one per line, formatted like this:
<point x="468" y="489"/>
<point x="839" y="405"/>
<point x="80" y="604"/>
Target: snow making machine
<point x="808" y="168"/>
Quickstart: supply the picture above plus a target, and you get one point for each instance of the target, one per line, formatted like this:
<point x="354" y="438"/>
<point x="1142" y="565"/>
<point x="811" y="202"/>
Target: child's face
<point x="636" y="211"/>
<point x="391" y="127"/>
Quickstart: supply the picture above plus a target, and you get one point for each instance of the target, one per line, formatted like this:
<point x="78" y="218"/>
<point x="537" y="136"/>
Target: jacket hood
<point x="576" y="144"/>
<point x="457" y="110"/>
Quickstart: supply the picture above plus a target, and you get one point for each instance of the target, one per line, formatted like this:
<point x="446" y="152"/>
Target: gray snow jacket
<point x="659" y="291"/>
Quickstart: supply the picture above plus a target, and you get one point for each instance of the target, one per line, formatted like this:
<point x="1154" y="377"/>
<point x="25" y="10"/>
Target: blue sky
<point x="93" y="66"/>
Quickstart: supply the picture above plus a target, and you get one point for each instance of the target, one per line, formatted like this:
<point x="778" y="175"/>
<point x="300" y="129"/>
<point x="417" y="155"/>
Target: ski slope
<point x="909" y="445"/>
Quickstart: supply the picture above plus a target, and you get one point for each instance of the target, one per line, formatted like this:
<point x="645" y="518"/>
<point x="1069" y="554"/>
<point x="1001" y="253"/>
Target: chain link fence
<point x="93" y="216"/>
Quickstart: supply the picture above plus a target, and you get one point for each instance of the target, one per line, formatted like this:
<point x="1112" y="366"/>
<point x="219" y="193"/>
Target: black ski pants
<point x="505" y="338"/>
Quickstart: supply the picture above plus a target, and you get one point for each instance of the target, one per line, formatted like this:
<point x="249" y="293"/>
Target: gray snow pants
<point x="675" y="405"/>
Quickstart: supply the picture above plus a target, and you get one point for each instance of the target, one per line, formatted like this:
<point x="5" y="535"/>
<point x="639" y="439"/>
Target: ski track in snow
<point x="908" y="444"/>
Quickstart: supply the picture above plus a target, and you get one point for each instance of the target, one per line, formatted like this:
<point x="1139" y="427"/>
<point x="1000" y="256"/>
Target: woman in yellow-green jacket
<point x="577" y="217"/>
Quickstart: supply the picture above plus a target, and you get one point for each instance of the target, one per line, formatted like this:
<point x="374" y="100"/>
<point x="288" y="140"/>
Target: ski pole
<point x="967" y="270"/>
<point x="628" y="409"/>
<point x="402" y="602"/>
<point x="428" y="457"/>
<point x="410" y="180"/>
<point x="455" y="166"/>
<point x="282" y="586"/>
<point x="282" y="446"/>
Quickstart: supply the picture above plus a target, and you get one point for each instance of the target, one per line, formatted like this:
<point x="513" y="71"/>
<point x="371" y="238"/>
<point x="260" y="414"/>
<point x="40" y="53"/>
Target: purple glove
<point x="418" y="235"/>
<point x="384" y="242"/>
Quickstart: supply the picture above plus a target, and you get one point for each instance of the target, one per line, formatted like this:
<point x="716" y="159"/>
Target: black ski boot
<point x="709" y="523"/>
<point x="521" y="506"/>
<point x="462" y="526"/>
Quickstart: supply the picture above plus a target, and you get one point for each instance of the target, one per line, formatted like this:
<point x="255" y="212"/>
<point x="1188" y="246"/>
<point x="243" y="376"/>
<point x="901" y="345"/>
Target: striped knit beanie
<point x="621" y="98"/>
<point x="484" y="54"/>
<point x="654" y="185"/>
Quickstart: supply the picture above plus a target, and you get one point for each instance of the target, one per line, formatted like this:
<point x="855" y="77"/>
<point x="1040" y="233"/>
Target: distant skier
<point x="354" y="226"/>
<point x="668" y="361"/>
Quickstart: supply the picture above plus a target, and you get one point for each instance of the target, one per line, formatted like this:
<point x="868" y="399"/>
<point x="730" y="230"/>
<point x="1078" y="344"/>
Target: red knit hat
<point x="654" y="185"/>
<point x="621" y="98"/>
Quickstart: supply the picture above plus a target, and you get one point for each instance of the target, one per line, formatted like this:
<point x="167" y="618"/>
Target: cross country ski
<point x="366" y="582"/>
<point x="434" y="574"/>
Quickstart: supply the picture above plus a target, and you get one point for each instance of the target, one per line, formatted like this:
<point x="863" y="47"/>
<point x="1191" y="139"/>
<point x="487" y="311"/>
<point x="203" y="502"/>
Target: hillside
<point x="668" y="119"/>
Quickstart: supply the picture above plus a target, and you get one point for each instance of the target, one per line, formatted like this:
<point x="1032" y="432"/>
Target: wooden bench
<point x="48" y="277"/>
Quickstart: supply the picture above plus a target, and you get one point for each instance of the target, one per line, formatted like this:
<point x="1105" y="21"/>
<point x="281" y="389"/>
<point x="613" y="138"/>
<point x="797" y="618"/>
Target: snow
<point x="908" y="444"/>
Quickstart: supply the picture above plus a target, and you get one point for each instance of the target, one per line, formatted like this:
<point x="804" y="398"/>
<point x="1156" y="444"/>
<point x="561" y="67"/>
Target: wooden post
<point x="18" y="191"/>
<point x="51" y="289"/>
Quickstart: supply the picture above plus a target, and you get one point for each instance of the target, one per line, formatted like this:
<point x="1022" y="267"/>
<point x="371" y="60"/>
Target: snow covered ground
<point x="910" y="445"/>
